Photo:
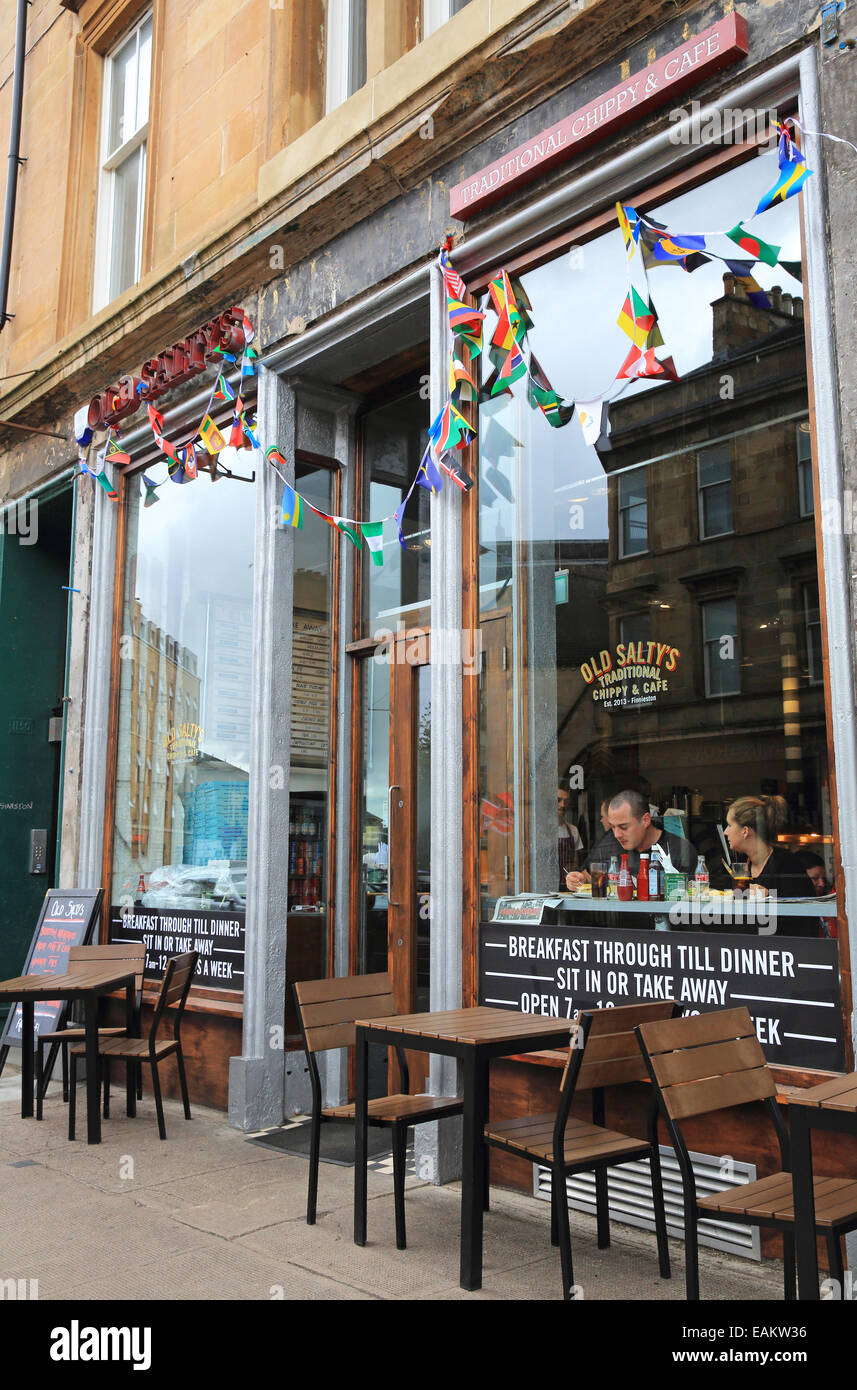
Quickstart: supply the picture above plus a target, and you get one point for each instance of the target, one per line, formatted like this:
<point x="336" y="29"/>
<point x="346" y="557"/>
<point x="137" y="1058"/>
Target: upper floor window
<point x="124" y="132"/>
<point x="720" y="647"/>
<point x="804" y="469"/>
<point x="633" y="513"/>
<point x="437" y="12"/>
<point x="714" y="472"/>
<point x="346" y="50"/>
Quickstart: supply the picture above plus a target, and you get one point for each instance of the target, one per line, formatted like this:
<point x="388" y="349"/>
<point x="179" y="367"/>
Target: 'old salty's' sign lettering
<point x="684" y="67"/>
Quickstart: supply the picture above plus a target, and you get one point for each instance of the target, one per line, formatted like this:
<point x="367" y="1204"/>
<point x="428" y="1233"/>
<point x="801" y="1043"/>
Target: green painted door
<point x="35" y="542"/>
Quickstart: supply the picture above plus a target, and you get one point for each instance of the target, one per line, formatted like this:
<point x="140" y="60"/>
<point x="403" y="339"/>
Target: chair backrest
<point x="132" y="953"/>
<point x="706" y="1062"/>
<point x="327" y="1009"/>
<point x="175" y="986"/>
<point x="611" y="1055"/>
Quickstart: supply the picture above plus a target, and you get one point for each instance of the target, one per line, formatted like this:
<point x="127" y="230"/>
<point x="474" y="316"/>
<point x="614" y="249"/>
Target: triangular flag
<point x="348" y="528"/>
<point x="211" y="436"/>
<point x="223" y="391"/>
<point x="374" y="538"/>
<point x="105" y="482"/>
<point x="399" y="517"/>
<point x="236" y="433"/>
<point x="754" y="246"/>
<point x="793" y="176"/>
<point x="248" y="362"/>
<point x="455" y="286"/>
<point x="461" y="380"/>
<point x="459" y="475"/>
<point x="629" y="224"/>
<point x="428" y="476"/>
<point x="590" y="417"/>
<point x="746" y="282"/>
<point x="645" y="364"/>
<point x="639" y="320"/>
<point x="292" y="511"/>
<point x="151" y="492"/>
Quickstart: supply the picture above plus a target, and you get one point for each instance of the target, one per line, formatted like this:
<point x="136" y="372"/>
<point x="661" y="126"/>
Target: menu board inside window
<point x="650" y="605"/>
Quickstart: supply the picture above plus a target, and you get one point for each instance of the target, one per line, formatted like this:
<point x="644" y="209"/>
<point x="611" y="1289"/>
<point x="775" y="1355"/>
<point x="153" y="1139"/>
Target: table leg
<point x="361" y="1067"/>
<point x="28" y="1052"/>
<point x="93" y="1109"/>
<point x="804" y="1204"/>
<point x="475" y="1090"/>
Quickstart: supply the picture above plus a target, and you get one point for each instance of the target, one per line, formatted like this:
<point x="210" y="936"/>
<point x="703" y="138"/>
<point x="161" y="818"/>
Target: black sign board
<point x="789" y="984"/>
<point x="67" y="919"/>
<point x="218" y="936"/>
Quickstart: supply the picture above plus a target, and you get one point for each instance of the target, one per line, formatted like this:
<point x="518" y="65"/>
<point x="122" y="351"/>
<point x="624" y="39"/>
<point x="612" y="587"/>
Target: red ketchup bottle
<point x="626" y="883"/>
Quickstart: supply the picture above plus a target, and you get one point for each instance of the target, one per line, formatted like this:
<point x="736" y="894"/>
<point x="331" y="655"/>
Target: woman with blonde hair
<point x="752" y="823"/>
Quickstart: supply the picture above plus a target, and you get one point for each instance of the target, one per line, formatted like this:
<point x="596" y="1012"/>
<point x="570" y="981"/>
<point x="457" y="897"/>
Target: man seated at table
<point x="633" y="832"/>
<point x="569" y="843"/>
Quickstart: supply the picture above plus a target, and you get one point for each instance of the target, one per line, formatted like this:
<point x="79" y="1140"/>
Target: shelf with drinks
<point x="306" y="891"/>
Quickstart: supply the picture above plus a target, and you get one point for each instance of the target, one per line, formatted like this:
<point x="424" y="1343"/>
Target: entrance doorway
<point x="35" y="544"/>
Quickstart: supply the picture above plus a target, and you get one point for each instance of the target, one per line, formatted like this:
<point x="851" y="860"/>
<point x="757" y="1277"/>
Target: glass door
<point x="394" y="826"/>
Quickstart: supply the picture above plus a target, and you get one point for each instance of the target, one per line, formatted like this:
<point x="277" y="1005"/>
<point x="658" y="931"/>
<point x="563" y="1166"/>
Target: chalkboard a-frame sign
<point x="67" y="919"/>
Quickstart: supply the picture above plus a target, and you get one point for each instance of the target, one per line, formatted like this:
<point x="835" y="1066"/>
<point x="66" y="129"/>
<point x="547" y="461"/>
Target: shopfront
<point x="317" y="764"/>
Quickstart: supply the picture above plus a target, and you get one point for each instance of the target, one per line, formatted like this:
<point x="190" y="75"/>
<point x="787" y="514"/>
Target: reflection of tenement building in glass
<point x="164" y="689"/>
<point x="712" y="551"/>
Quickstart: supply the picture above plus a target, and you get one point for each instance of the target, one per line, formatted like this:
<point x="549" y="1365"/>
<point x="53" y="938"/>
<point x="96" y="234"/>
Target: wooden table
<point x="88" y="984"/>
<point x="474" y="1037"/>
<point x="831" y="1106"/>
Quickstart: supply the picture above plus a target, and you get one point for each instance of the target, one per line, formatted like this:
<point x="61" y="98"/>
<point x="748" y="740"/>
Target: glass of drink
<point x="740" y="873"/>
<point x="598" y="874"/>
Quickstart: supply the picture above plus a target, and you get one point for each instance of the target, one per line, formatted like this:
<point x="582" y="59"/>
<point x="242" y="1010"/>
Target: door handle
<point x="394" y="788"/>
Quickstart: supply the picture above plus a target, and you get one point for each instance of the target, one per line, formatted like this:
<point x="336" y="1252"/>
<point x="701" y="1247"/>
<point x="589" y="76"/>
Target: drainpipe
<point x="14" y="160"/>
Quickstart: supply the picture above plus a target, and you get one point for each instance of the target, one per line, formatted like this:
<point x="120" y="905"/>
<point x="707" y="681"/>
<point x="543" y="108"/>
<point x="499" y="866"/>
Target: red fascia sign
<point x="170" y="368"/>
<point x="684" y="67"/>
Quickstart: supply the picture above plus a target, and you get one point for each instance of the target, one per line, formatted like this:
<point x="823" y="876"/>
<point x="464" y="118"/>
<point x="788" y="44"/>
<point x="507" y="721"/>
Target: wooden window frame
<point x="103" y="23"/>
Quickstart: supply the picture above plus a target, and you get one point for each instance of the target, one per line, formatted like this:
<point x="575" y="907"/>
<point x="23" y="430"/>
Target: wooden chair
<point x="79" y="957"/>
<point x="604" y="1052"/>
<point x="175" y="986"/>
<point x="327" y="1011"/>
<point x="712" y="1061"/>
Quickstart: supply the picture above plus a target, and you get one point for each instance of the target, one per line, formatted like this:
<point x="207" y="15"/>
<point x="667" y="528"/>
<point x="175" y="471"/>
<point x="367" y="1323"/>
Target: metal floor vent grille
<point x="630" y="1194"/>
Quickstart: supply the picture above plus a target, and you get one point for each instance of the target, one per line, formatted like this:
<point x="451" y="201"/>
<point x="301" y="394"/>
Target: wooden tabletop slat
<point x="478" y="1025"/>
<point x="838" y="1094"/>
<point x="79" y="979"/>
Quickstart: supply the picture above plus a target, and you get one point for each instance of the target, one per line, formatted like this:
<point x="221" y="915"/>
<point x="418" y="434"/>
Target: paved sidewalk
<point x="207" y="1215"/>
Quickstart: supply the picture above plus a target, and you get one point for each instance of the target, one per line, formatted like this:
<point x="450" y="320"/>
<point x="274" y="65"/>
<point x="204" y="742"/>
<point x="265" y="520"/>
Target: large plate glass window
<point x="680" y="656"/>
<point x="179" y="860"/>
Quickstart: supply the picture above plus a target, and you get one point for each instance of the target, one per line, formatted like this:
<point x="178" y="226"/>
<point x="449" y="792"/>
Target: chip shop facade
<point x="316" y="766"/>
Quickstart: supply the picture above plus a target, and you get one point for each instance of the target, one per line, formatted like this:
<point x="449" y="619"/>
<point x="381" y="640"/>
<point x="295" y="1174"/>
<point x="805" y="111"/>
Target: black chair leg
<point x="72" y="1089"/>
<point x="314" y="1145"/>
<point x="183" y="1083"/>
<point x="64" y="1054"/>
<point x="486" y="1182"/>
<point x="602" y="1208"/>
<point x="40" y="1077"/>
<point x="106" y="1068"/>
<point x="159" y="1105"/>
<point x="691" y="1252"/>
<point x="399" y="1137"/>
<point x="834" y="1261"/>
<point x="789" y="1280"/>
<point x="660" y="1215"/>
<point x="139" y="1070"/>
<point x="554" y="1227"/>
<point x="560" y="1203"/>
